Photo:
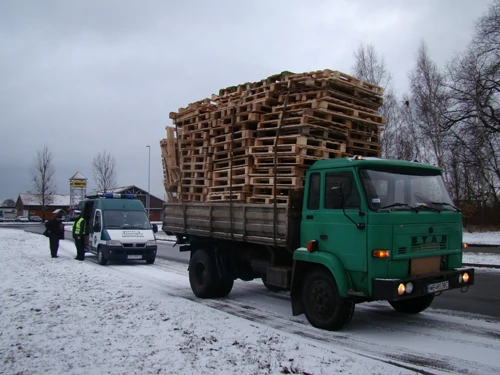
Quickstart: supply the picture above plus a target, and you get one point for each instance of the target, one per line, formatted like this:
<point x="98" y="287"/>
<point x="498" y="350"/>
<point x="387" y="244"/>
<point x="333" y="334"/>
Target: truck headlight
<point x="463" y="278"/>
<point x="113" y="243"/>
<point x="151" y="243"/>
<point x="409" y="288"/>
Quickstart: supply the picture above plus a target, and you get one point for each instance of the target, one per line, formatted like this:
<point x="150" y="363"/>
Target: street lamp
<point x="149" y="179"/>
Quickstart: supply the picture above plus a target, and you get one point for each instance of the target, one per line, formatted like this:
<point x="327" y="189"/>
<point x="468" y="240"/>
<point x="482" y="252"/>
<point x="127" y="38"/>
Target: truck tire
<point x="323" y="305"/>
<point x="412" y="305"/>
<point x="202" y="275"/>
<point x="150" y="260"/>
<point x="100" y="257"/>
<point x="224" y="287"/>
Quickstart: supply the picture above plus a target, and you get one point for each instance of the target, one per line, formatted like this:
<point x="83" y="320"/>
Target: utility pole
<point x="148" y="199"/>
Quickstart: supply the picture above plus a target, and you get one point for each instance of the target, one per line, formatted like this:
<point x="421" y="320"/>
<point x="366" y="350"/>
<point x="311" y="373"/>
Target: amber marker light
<point x="381" y="253"/>
<point x="312" y="246"/>
<point x="465" y="245"/>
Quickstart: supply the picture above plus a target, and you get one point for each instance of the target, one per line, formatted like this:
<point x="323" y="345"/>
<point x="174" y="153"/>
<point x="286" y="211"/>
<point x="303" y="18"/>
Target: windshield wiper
<point x="448" y="204"/>
<point x="399" y="205"/>
<point x="419" y="206"/>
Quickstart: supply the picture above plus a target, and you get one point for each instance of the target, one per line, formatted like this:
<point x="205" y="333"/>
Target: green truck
<point x="362" y="229"/>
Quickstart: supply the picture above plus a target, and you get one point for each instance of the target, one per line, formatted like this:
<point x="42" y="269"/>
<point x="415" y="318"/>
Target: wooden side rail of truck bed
<point x="243" y="222"/>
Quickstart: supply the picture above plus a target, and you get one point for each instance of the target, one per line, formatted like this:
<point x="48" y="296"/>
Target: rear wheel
<point x="412" y="305"/>
<point x="100" y="257"/>
<point x="224" y="287"/>
<point x="202" y="275"/>
<point x="323" y="305"/>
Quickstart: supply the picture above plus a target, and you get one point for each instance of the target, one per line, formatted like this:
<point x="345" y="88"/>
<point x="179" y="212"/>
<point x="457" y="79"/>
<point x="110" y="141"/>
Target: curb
<point x="482" y="265"/>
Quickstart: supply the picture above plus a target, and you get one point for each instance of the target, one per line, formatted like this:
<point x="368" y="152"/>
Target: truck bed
<point x="243" y="222"/>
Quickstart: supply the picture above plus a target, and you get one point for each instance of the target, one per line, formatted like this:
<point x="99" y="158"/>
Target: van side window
<point x="97" y="219"/>
<point x="314" y="191"/>
<point x="345" y="181"/>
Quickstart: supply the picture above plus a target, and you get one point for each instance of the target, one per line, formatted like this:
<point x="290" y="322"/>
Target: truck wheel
<point x="150" y="260"/>
<point x="202" y="275"/>
<point x="323" y="306"/>
<point x="224" y="287"/>
<point x="100" y="257"/>
<point x="413" y="305"/>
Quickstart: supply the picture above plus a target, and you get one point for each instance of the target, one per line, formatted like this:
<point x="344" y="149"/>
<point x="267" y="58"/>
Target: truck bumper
<point x="122" y="253"/>
<point x="387" y="289"/>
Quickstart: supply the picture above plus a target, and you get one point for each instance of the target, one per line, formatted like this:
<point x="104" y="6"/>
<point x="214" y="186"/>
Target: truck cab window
<point x="346" y="182"/>
<point x="314" y="191"/>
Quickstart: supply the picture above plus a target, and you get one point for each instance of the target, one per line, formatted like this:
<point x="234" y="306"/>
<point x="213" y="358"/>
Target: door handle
<point x="309" y="217"/>
<point x="323" y="237"/>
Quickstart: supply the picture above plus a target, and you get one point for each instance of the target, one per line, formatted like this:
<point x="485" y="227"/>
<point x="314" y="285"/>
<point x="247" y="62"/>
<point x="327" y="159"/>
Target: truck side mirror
<point x="155" y="228"/>
<point x="337" y="198"/>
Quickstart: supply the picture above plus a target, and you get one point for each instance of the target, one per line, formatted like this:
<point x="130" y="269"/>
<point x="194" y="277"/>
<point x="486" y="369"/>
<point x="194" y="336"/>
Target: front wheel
<point x="412" y="305"/>
<point x="100" y="257"/>
<point x="203" y="275"/>
<point x="323" y="305"/>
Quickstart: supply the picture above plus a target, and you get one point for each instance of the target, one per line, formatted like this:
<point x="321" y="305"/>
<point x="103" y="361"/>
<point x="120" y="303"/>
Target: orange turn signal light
<point x="465" y="245"/>
<point x="381" y="253"/>
<point x="312" y="245"/>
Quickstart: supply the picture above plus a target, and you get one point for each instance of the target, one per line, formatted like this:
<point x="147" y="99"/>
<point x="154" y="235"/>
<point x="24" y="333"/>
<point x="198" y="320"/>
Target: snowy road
<point x="168" y="325"/>
<point x="434" y="342"/>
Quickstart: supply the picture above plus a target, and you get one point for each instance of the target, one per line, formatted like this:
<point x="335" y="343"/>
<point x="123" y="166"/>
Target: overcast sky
<point x="92" y="75"/>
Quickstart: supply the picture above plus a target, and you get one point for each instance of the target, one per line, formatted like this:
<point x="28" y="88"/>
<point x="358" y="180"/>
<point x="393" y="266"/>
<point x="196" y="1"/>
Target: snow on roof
<point x="36" y="199"/>
<point x="120" y="189"/>
<point x="78" y="176"/>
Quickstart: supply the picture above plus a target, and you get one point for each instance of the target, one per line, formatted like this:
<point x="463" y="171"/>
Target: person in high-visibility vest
<point x="78" y="235"/>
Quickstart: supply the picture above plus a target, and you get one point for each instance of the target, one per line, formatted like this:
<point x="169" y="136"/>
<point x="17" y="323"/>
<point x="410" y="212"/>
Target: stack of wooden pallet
<point x="253" y="142"/>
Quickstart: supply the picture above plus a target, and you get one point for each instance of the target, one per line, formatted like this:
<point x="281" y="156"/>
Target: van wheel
<point x="412" y="305"/>
<point x="150" y="260"/>
<point x="224" y="288"/>
<point x="202" y="275"/>
<point x="100" y="257"/>
<point x="323" y="306"/>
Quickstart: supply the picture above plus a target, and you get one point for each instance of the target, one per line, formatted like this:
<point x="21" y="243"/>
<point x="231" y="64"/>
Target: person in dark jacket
<point x="78" y="235"/>
<point x="55" y="231"/>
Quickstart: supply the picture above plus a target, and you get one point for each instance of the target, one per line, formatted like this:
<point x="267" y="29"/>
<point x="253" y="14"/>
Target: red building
<point x="28" y="204"/>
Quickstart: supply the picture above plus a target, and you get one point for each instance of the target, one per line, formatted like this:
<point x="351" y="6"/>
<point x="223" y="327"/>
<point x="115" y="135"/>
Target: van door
<point x="96" y="230"/>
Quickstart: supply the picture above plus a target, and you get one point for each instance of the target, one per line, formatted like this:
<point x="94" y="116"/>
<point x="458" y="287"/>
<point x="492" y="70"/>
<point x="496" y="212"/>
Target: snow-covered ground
<point x="482" y="238"/>
<point x="61" y="316"/>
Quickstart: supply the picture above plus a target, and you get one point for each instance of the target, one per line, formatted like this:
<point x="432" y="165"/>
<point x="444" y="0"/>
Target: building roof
<point x="36" y="199"/>
<point x="78" y="176"/>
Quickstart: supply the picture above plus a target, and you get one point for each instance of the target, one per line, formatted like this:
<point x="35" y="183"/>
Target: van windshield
<point x="125" y="220"/>
<point x="414" y="190"/>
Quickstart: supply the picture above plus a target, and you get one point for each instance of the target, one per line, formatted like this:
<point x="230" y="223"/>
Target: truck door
<point x="95" y="230"/>
<point x="337" y="233"/>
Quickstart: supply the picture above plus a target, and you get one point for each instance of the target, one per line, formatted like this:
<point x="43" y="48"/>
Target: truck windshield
<point x="413" y="190"/>
<point x="125" y="220"/>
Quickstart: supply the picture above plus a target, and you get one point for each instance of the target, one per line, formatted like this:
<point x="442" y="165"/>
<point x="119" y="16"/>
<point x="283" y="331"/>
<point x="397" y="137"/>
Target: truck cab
<point x="375" y="229"/>
<point x="117" y="228"/>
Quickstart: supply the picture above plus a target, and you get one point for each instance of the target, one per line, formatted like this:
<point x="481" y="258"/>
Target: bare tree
<point x="429" y="100"/>
<point x="43" y="177"/>
<point x="104" y="171"/>
<point x="9" y="203"/>
<point x="370" y="67"/>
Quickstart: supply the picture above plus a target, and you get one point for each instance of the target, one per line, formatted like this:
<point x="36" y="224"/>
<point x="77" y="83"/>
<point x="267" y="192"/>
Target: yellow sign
<point x="78" y="184"/>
